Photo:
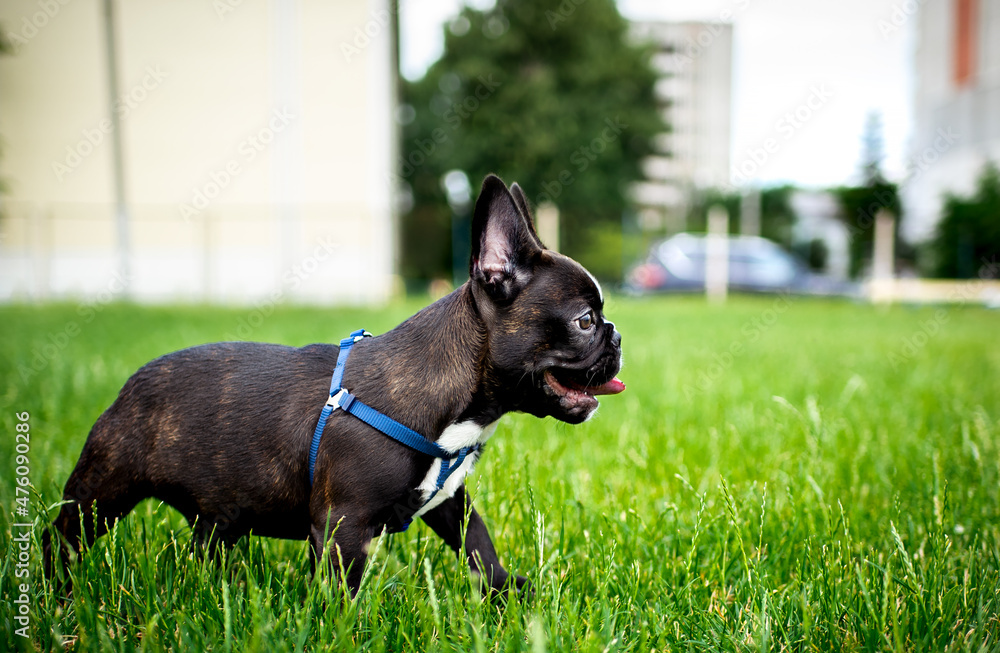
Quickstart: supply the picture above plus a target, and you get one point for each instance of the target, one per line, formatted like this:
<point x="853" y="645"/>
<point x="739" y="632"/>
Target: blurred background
<point x="249" y="152"/>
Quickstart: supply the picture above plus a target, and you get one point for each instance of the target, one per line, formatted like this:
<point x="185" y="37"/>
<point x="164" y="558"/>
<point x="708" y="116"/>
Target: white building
<point x="694" y="94"/>
<point x="957" y="106"/>
<point x="255" y="154"/>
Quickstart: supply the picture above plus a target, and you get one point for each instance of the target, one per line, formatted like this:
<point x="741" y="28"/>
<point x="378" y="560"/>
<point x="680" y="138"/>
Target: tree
<point x="967" y="241"/>
<point x="860" y="205"/>
<point x="776" y="214"/>
<point x="549" y="93"/>
<point x="872" y="151"/>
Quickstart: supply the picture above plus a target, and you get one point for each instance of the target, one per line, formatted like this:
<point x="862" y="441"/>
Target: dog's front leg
<point x="346" y="544"/>
<point x="446" y="520"/>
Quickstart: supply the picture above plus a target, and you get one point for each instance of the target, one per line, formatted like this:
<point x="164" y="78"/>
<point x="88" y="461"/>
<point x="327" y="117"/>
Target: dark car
<point x="756" y="264"/>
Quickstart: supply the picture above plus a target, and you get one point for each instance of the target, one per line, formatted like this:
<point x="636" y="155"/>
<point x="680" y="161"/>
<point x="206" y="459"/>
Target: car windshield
<point x="752" y="261"/>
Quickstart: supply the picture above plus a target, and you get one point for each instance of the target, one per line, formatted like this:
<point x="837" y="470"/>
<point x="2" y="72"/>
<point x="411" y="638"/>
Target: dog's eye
<point x="586" y="321"/>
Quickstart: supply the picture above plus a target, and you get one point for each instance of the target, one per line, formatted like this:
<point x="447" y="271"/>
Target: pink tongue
<point x="612" y="387"/>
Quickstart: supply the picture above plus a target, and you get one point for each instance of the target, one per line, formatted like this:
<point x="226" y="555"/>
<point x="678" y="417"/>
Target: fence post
<point x="717" y="255"/>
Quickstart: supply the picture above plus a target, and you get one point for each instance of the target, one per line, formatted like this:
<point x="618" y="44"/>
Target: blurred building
<point x="222" y="151"/>
<point x="694" y="94"/>
<point x="957" y="106"/>
<point x="818" y="218"/>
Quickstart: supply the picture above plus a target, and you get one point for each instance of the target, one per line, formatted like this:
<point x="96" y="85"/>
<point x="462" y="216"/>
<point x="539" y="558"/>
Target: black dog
<point x="222" y="432"/>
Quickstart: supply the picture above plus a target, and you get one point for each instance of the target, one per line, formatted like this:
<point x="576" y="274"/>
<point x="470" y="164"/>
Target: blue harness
<point x="341" y="398"/>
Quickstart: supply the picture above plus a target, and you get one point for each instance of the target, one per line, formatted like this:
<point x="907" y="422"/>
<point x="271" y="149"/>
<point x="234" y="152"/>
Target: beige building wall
<point x="256" y="141"/>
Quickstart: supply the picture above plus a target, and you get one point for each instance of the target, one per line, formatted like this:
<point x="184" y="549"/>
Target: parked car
<point x="756" y="264"/>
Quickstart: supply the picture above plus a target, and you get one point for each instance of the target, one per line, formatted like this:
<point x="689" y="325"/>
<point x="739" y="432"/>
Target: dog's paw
<point x="525" y="588"/>
<point x="517" y="587"/>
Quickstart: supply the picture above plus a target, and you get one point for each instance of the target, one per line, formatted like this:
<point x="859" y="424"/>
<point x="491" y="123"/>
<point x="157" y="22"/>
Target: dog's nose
<point x="616" y="338"/>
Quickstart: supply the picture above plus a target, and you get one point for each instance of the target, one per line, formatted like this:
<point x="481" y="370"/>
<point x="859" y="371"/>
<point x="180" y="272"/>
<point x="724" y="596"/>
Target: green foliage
<point x="860" y="206"/>
<point x="776" y="215"/>
<point x="781" y="474"/>
<point x="550" y="94"/>
<point x="816" y="253"/>
<point x="702" y="202"/>
<point x="967" y="240"/>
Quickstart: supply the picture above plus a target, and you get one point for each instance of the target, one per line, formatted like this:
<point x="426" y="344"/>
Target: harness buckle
<point x="334" y="399"/>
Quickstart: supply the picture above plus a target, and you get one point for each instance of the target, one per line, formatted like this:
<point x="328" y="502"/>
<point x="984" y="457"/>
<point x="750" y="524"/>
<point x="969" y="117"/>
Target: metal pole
<point x="117" y="155"/>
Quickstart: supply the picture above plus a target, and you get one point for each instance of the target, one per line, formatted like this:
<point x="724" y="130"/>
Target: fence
<point x="231" y="253"/>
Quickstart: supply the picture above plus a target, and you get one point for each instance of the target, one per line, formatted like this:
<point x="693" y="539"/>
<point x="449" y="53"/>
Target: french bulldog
<point x="222" y="432"/>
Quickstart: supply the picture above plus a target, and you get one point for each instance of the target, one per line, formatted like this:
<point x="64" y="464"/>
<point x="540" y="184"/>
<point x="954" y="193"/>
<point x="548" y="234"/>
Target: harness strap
<point x="338" y="374"/>
<point x="391" y="427"/>
<point x="341" y="398"/>
<point x="447" y="468"/>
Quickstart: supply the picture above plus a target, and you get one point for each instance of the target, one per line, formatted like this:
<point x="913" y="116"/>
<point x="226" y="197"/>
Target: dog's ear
<point x="504" y="245"/>
<point x="522" y="203"/>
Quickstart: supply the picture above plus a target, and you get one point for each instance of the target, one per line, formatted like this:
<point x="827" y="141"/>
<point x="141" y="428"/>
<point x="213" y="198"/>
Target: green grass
<point x="779" y="475"/>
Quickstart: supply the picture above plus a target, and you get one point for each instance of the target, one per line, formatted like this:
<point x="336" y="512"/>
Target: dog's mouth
<point x="578" y="397"/>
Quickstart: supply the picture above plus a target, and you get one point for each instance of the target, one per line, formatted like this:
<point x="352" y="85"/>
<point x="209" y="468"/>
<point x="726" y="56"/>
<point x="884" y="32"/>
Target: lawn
<point x="780" y="474"/>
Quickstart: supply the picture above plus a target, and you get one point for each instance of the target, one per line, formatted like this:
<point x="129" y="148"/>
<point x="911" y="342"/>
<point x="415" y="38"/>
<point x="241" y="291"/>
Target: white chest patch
<point x="454" y="437"/>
